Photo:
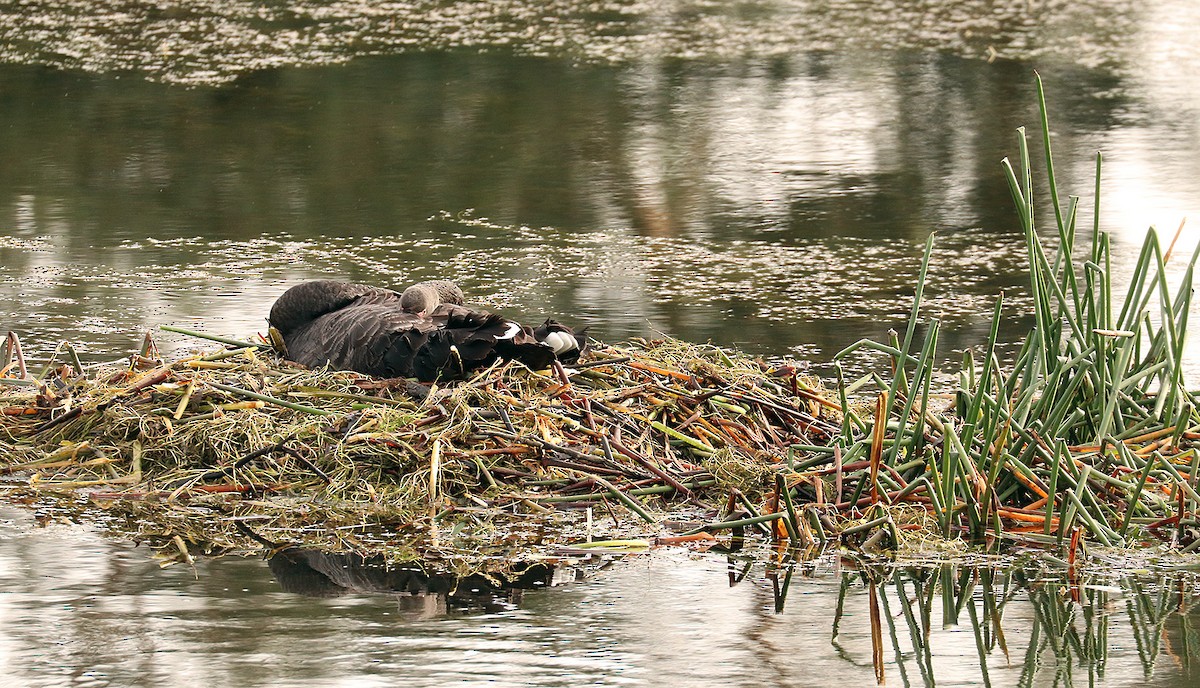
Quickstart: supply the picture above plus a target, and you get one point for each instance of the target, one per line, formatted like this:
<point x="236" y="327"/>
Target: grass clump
<point x="1091" y="431"/>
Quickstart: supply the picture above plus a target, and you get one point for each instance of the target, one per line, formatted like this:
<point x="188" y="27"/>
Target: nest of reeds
<point x="238" y="448"/>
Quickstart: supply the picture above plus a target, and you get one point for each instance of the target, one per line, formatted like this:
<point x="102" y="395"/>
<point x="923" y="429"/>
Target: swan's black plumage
<point x="367" y="329"/>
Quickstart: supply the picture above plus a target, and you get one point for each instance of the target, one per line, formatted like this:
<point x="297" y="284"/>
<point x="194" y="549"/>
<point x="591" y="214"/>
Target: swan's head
<point x="419" y="299"/>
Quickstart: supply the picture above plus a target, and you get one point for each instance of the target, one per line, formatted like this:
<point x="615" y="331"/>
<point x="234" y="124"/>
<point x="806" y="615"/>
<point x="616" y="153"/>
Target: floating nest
<point x="238" y="449"/>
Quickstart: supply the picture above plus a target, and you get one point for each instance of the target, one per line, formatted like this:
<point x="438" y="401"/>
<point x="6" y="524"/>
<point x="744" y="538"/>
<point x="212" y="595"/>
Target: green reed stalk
<point x="213" y="337"/>
<point x="1052" y="494"/>
<point x="271" y="400"/>
<point x="921" y="376"/>
<point x="791" y="522"/>
<point x="1135" y="495"/>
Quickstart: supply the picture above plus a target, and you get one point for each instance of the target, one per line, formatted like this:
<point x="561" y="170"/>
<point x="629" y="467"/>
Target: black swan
<point x="425" y="332"/>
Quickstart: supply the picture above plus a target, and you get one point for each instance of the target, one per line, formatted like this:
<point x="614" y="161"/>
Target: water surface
<point x="105" y="614"/>
<point x="776" y="204"/>
<point x="761" y="174"/>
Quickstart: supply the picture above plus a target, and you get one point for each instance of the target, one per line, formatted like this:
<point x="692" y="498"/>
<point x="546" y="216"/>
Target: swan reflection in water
<point x="321" y="574"/>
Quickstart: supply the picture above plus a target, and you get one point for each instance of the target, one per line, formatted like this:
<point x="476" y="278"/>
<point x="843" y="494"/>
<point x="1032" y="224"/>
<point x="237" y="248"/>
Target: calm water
<point x="111" y="617"/>
<point x="761" y="174"/>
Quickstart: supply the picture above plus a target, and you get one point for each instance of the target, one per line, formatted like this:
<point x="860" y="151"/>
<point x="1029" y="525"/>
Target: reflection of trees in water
<point x="665" y="158"/>
<point x="814" y="145"/>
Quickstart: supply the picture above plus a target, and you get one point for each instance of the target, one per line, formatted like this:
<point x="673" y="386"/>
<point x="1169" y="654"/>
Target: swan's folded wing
<point x="304" y="303"/>
<point x="371" y="338"/>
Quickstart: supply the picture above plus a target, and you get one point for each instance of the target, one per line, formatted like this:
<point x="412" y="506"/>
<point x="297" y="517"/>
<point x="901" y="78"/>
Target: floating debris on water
<point x="216" y="41"/>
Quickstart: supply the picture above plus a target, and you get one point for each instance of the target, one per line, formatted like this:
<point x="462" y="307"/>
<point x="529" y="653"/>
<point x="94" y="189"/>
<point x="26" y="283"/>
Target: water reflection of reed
<point x="1070" y="617"/>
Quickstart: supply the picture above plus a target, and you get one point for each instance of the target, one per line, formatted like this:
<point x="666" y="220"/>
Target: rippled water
<point x="761" y="174"/>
